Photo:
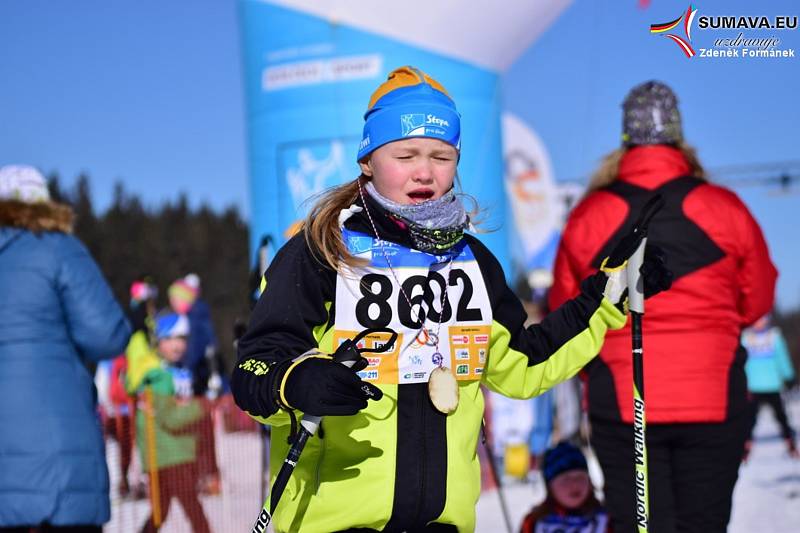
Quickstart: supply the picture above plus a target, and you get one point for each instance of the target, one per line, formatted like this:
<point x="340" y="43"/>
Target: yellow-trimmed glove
<point x="317" y="385"/>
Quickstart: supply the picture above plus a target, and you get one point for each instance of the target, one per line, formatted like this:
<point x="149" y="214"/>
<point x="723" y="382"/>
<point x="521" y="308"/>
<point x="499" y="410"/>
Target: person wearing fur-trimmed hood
<point x="58" y="318"/>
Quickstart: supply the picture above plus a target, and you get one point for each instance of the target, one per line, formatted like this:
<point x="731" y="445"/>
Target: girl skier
<point x="389" y="250"/>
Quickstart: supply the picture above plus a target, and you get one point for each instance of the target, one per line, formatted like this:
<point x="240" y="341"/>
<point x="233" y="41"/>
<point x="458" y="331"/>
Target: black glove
<point x="655" y="274"/>
<point x="624" y="250"/>
<point x="317" y="385"/>
<point x="656" y="277"/>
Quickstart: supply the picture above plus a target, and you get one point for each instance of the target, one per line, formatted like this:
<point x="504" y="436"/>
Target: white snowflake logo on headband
<point x="412" y="124"/>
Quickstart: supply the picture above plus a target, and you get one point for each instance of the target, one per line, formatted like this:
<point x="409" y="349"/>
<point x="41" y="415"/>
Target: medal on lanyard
<point x="443" y="389"/>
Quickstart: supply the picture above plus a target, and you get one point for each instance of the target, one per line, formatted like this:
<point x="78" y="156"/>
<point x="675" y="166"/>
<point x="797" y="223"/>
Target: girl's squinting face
<point x="571" y="488"/>
<point x="412" y="170"/>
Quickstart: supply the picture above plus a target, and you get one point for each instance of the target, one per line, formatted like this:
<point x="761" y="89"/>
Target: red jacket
<point x="693" y="363"/>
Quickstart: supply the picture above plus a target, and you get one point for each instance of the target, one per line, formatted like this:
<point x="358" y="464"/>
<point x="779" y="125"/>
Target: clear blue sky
<point x="150" y="92"/>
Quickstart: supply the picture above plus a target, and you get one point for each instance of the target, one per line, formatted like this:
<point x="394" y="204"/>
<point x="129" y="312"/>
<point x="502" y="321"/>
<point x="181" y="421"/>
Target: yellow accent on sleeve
<point x="254" y="366"/>
<point x="319" y="331"/>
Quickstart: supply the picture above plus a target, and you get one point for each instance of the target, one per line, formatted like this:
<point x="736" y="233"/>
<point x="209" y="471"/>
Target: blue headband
<point x="411" y="111"/>
<point x="171" y="325"/>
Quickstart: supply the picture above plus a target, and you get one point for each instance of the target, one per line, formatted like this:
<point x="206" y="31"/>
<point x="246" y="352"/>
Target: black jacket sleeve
<point x="296" y="299"/>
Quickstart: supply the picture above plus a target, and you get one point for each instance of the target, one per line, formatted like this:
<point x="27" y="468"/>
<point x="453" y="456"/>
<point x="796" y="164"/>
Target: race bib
<point x="182" y="379"/>
<point x="456" y="330"/>
<point x="759" y="343"/>
<point x="573" y="524"/>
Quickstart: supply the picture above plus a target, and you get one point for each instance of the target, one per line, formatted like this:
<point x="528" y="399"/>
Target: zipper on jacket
<point x="422" y="466"/>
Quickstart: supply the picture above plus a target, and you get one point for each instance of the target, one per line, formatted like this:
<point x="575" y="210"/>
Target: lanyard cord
<point x="400" y="286"/>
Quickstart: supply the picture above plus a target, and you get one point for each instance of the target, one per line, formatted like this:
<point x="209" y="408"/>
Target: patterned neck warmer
<point x="434" y="226"/>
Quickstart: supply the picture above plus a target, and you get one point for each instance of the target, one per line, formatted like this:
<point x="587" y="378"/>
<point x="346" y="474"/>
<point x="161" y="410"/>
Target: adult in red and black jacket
<point x="694" y="380"/>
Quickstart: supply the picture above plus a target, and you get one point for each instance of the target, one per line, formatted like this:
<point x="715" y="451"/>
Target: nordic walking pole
<point x="635" y="285"/>
<point x="347" y="354"/>
<point x="496" y="478"/>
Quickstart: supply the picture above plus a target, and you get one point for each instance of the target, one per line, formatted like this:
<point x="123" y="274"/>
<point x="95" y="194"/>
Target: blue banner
<point x="308" y="82"/>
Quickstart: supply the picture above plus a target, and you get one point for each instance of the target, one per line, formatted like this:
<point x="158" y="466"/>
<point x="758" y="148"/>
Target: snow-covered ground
<point x="234" y="510"/>
<point x="767" y="496"/>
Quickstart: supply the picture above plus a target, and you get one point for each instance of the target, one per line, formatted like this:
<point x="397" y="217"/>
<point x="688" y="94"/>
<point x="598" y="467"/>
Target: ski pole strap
<point x="649" y="210"/>
<point x="349" y="348"/>
<point x="349" y="354"/>
<point x="635" y="281"/>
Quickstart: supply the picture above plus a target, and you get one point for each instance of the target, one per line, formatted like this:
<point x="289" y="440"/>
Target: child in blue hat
<point x="390" y="249"/>
<point x="173" y="412"/>
<point x="571" y="504"/>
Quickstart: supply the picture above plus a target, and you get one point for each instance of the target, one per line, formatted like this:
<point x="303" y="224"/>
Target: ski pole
<point x="635" y="285"/>
<point x="152" y="461"/>
<point x="496" y="477"/>
<point x="347" y="354"/>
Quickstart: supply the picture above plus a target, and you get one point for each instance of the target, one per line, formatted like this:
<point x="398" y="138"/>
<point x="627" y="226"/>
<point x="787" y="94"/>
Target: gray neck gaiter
<point x="435" y="225"/>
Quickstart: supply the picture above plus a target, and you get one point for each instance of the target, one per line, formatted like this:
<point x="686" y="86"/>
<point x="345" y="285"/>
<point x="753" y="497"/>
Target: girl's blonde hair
<point x="322" y="231"/>
<point x="608" y="170"/>
<point x="321" y="226"/>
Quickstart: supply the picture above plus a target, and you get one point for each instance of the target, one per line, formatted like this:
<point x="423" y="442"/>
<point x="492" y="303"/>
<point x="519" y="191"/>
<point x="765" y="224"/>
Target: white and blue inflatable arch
<point x="311" y="65"/>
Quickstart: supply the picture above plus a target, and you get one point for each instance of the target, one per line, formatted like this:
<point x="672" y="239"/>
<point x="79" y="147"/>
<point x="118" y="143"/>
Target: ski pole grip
<point x="635" y="281"/>
<point x="348" y="354"/>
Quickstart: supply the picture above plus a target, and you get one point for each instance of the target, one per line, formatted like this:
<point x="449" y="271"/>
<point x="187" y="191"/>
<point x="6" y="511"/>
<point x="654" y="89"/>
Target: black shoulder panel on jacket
<point x="687" y="247"/>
